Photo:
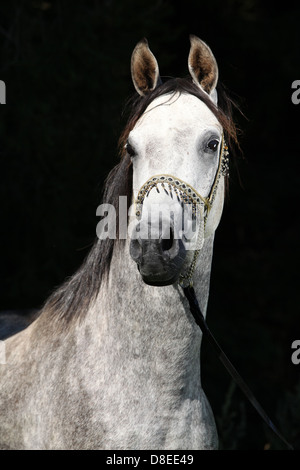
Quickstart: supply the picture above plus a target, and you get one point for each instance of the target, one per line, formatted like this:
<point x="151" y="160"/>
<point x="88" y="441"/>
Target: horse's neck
<point x="126" y="283"/>
<point x="152" y="324"/>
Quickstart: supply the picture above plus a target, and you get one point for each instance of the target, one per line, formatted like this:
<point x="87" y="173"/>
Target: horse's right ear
<point x="144" y="68"/>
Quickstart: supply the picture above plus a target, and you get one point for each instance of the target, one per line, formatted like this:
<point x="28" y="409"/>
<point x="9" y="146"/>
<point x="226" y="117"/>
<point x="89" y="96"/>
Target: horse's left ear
<point x="144" y="68"/>
<point x="203" y="67"/>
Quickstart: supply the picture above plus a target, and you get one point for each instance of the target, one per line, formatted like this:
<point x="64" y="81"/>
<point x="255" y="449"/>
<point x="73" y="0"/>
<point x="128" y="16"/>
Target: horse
<point x="112" y="360"/>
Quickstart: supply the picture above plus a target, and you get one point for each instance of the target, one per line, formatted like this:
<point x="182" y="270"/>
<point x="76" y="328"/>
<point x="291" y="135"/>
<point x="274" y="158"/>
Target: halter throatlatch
<point x="186" y="194"/>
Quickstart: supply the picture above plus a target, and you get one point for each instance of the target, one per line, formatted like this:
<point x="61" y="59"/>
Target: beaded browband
<point x="186" y="194"/>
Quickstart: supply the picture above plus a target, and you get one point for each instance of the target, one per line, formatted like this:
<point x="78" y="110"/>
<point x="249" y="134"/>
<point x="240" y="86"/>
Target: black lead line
<point x="200" y="320"/>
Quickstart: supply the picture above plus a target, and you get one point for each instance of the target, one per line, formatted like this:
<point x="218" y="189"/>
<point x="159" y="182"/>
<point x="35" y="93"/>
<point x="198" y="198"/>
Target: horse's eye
<point x="130" y="150"/>
<point x="213" y="145"/>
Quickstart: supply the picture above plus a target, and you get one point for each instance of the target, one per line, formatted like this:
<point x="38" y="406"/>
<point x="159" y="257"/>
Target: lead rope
<point x="199" y="319"/>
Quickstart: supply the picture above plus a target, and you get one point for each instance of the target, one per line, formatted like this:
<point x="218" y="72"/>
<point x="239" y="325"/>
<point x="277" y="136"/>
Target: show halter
<point x="186" y="194"/>
<point x="201" y="207"/>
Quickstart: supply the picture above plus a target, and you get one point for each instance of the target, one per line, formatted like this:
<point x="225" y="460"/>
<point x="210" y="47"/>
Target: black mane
<point x="72" y="299"/>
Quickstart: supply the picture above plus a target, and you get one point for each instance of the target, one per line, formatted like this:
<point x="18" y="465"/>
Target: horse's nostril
<point x="135" y="249"/>
<point x="167" y="243"/>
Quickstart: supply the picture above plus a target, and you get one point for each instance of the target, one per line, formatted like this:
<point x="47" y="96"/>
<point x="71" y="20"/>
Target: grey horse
<point x="112" y="361"/>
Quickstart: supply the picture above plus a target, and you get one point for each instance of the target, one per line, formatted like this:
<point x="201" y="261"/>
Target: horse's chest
<point x="153" y="423"/>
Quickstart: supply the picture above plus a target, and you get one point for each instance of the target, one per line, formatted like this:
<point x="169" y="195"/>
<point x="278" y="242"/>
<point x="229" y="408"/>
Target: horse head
<point x="179" y="160"/>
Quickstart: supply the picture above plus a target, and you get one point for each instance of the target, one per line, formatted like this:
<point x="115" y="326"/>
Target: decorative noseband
<point x="168" y="183"/>
<point x="186" y="194"/>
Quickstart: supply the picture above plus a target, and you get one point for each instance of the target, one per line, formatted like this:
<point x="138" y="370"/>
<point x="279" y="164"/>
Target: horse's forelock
<point x="138" y="105"/>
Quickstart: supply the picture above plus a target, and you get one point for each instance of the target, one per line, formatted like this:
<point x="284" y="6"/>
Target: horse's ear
<point x="144" y="68"/>
<point x="203" y="67"/>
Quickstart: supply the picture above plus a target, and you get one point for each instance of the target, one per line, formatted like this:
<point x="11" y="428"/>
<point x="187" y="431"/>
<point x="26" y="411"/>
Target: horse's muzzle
<point x="159" y="260"/>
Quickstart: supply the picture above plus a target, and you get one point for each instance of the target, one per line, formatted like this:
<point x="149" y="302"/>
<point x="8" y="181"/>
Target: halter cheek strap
<point x="186" y="194"/>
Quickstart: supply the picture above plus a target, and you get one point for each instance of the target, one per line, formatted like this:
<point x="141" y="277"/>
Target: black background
<point x="67" y="74"/>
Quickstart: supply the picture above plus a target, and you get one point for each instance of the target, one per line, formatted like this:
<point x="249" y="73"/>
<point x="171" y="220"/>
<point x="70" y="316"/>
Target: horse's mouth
<point x="158" y="279"/>
<point x="158" y="262"/>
